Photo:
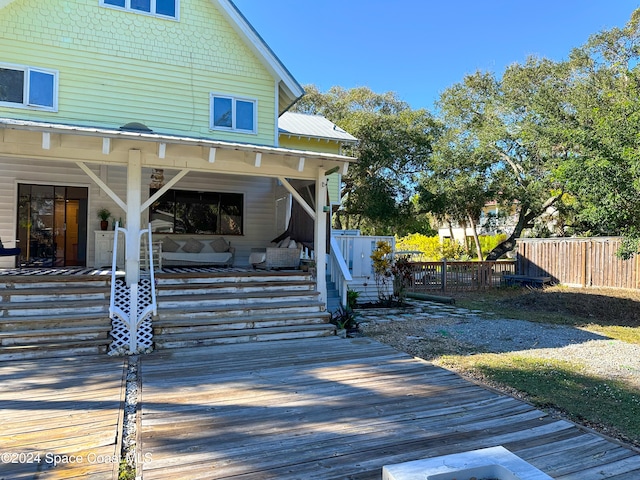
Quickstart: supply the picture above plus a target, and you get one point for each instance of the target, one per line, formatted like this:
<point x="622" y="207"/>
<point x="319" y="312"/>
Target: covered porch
<point x="119" y="168"/>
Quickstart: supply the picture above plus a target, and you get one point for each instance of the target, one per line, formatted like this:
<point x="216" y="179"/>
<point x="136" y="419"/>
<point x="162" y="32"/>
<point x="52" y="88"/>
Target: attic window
<point x="28" y="87"/>
<point x="161" y="8"/>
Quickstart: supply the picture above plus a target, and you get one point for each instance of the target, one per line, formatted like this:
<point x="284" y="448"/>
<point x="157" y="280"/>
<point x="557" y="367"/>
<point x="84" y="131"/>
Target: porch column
<point x="320" y="235"/>
<point x="134" y="202"/>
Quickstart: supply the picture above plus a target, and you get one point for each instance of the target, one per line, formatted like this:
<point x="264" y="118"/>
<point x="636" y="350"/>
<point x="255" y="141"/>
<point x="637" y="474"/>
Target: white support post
<point x="320" y="235"/>
<point x="134" y="201"/>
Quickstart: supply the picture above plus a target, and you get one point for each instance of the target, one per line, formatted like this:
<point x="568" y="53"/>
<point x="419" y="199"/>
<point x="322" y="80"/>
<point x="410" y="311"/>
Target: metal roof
<point x="312" y="126"/>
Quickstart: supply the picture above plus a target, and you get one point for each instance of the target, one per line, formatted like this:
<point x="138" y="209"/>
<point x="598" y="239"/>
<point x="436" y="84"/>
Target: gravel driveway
<point x="428" y="330"/>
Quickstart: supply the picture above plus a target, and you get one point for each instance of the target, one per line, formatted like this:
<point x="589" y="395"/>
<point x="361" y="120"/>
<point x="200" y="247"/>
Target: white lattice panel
<point x="120" y="331"/>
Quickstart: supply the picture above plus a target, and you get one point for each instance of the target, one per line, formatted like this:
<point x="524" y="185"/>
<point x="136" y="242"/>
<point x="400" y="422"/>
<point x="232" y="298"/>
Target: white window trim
<point x="233" y="99"/>
<point x="127" y="8"/>
<point x="25" y="93"/>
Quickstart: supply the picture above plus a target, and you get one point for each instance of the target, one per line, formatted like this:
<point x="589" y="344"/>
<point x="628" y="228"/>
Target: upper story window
<point x="28" y="87"/>
<point x="230" y="113"/>
<point x="162" y="8"/>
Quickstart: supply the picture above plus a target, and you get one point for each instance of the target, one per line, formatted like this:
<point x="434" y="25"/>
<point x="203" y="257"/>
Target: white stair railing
<point x="339" y="271"/>
<point x="131" y="309"/>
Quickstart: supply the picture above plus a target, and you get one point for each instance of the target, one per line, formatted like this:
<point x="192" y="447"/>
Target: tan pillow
<point x="219" y="245"/>
<point x="168" y="245"/>
<point x="192" y="246"/>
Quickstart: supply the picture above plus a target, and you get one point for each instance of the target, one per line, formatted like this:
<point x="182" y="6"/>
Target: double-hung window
<point x="162" y="8"/>
<point x="231" y="113"/>
<point x="28" y="87"/>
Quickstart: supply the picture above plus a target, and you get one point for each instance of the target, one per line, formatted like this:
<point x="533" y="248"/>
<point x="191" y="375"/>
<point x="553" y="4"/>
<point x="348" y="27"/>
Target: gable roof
<point x="289" y="89"/>
<point x="312" y="126"/>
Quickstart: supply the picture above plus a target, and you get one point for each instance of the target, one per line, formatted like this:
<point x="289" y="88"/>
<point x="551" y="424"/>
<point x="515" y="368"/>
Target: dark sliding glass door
<point x="52" y="225"/>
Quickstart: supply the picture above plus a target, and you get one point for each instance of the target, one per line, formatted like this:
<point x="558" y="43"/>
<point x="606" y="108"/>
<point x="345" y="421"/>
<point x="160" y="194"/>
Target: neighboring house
<point x="129" y="106"/>
<point x="493" y="220"/>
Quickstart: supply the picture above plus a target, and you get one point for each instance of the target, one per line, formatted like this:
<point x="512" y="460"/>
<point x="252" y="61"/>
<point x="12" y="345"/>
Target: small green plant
<point x="382" y="261"/>
<point x="352" y="299"/>
<point x="402" y="271"/>
<point x="126" y="471"/>
<point x="344" y="318"/>
<point x="104" y="214"/>
<point x="392" y="275"/>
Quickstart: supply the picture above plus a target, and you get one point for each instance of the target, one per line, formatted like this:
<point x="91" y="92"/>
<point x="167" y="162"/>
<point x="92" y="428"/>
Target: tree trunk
<point x="476" y="239"/>
<point x="525" y="217"/>
<point x="451" y="231"/>
<point x="465" y="244"/>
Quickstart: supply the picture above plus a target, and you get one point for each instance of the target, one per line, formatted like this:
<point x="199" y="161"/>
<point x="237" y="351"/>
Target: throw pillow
<point x="192" y="246"/>
<point x="293" y="244"/>
<point x="219" y="245"/>
<point x="169" y="245"/>
<point x="284" y="243"/>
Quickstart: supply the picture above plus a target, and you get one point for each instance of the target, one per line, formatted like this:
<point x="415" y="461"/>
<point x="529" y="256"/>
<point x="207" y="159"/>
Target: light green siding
<point x="117" y="67"/>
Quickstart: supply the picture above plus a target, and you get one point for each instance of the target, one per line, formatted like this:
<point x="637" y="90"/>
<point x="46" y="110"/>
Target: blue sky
<point x="418" y="48"/>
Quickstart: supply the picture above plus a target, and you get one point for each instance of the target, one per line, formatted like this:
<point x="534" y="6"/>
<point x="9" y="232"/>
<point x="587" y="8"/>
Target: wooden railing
<point x="455" y="276"/>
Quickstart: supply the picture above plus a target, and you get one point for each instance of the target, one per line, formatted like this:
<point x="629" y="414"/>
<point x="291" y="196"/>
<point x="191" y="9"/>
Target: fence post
<point x="443" y="282"/>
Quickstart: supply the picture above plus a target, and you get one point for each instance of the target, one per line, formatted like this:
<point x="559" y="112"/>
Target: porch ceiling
<point x="51" y="141"/>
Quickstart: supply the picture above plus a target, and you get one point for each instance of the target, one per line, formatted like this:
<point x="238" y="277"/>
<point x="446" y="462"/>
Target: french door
<point x="52" y="225"/>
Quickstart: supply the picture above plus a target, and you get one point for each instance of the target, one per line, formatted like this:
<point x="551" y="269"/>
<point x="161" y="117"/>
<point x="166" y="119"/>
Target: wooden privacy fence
<point x="454" y="276"/>
<point x="585" y="262"/>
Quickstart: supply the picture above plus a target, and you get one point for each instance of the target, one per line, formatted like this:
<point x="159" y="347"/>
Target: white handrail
<point x="152" y="276"/>
<point x="114" y="268"/>
<point x="340" y="273"/>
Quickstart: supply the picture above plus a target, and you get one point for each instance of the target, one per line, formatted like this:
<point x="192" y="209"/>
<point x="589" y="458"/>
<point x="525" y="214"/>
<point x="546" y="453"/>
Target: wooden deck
<point x="339" y="409"/>
<point x="67" y="411"/>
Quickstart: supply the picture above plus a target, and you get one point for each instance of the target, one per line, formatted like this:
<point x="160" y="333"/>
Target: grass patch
<point x="624" y="334"/>
<point x="606" y="404"/>
<point x="614" y="313"/>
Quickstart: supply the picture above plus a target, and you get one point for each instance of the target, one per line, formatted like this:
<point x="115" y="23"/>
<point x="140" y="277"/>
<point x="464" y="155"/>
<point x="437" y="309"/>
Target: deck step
<point x="243" y="336"/>
<point x="53" y="316"/>
<point x="54" y="350"/>
<point x="45" y="316"/>
<point x="195" y="311"/>
<point x="238" y="323"/>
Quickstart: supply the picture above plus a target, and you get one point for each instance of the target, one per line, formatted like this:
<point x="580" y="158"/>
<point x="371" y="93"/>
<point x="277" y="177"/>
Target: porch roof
<point x="313" y="126"/>
<point x="152" y="137"/>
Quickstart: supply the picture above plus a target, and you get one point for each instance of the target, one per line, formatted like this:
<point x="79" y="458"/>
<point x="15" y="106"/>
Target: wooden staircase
<point x="199" y="309"/>
<point x="53" y="316"/>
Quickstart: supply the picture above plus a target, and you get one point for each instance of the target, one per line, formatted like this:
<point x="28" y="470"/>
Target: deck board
<point x="329" y="408"/>
<point x="66" y="406"/>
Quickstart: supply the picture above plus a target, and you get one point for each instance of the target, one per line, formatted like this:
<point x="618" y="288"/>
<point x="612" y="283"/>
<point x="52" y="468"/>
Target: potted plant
<point x="104" y="215"/>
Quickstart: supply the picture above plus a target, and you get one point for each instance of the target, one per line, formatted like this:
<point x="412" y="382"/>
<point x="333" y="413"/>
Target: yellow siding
<point x="313" y="145"/>
<point x="117" y="67"/>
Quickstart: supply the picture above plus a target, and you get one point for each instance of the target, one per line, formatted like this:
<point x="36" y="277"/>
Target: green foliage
<point x="392" y="274"/>
<point x="433" y="250"/>
<point x="104" y="214"/>
<point x="126" y="471"/>
<point x="382" y="262"/>
<point x="394" y="147"/>
<point x="344" y="318"/>
<point x="352" y="299"/>
<point x="402" y="272"/>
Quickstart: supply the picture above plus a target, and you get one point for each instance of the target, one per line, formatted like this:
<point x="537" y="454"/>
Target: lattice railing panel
<point x="120" y="332"/>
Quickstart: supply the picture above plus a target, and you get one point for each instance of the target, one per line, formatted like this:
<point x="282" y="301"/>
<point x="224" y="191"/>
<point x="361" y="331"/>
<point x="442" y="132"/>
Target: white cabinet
<point x="104" y="249"/>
